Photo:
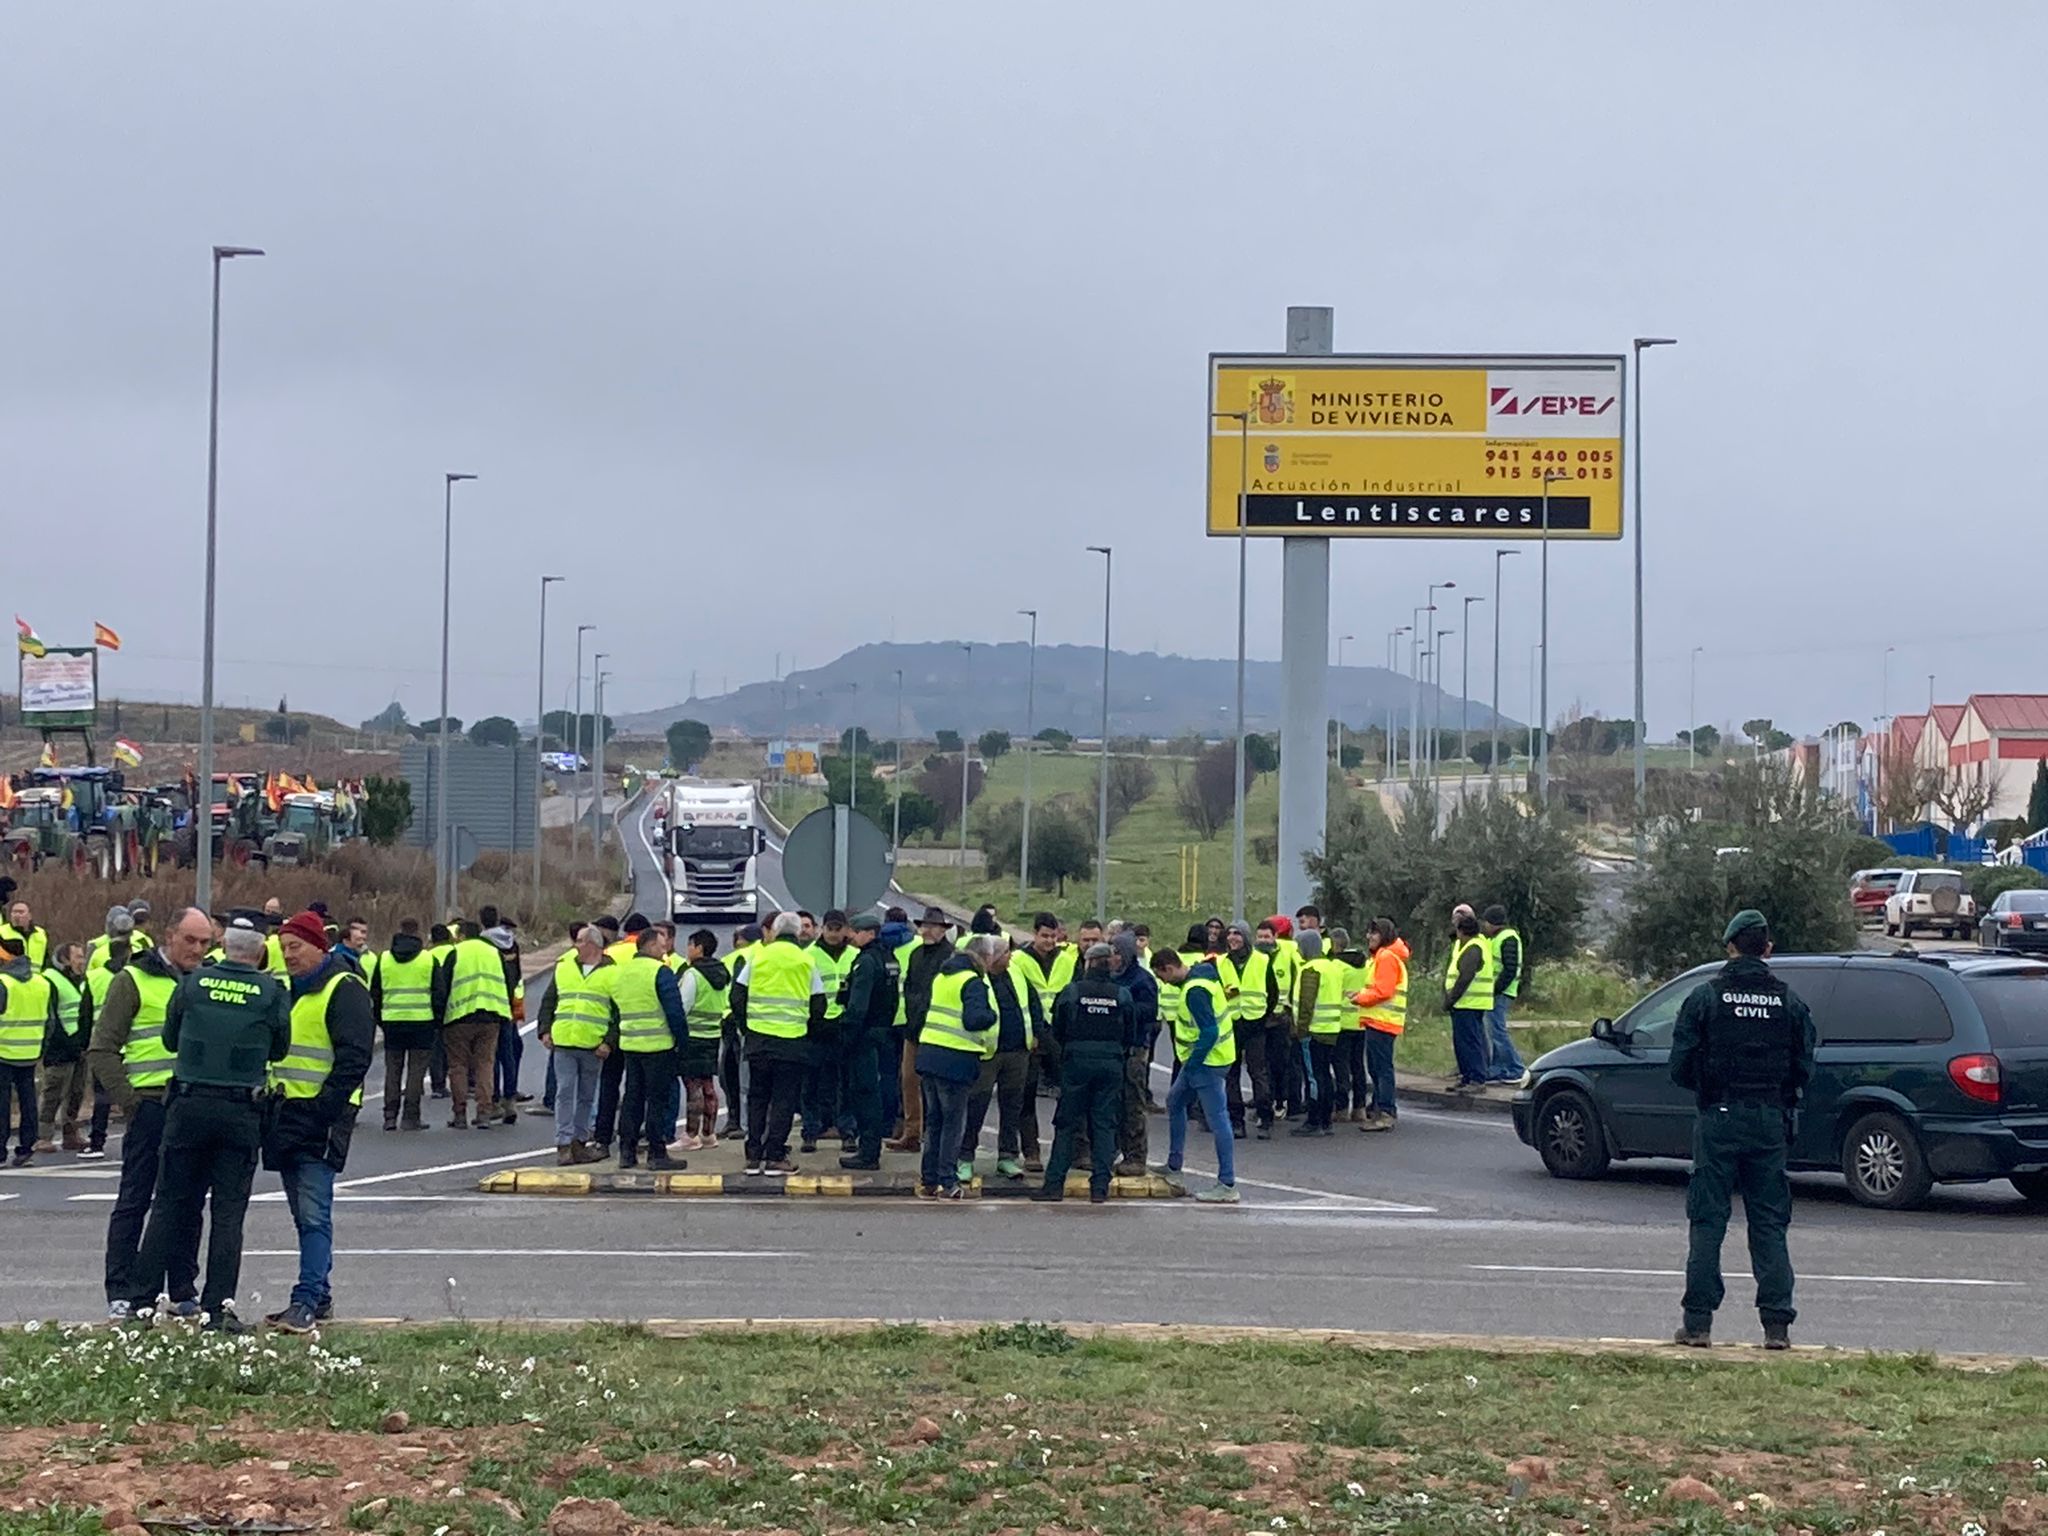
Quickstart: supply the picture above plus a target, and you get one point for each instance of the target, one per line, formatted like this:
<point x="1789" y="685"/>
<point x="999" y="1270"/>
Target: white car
<point x="1932" y="899"/>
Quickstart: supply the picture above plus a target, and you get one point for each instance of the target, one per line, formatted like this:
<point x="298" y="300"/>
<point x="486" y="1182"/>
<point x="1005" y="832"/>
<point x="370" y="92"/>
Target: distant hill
<point x="945" y="689"/>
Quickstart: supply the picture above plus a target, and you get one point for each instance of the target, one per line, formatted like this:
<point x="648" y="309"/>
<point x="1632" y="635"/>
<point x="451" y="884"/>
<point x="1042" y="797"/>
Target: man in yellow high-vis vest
<point x="28" y="1012"/>
<point x="1205" y="1046"/>
<point x="1468" y="993"/>
<point x="777" y="1001"/>
<point x="321" y="1083"/>
<point x="402" y="992"/>
<point x="129" y="1058"/>
<point x="579" y="1025"/>
<point x="957" y="1035"/>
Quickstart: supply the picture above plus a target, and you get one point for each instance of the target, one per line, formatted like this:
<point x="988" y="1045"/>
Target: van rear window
<point x="2015" y="1007"/>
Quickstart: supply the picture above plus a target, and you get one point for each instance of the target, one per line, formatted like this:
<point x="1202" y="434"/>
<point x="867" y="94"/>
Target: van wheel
<point x="1569" y="1137"/>
<point x="2033" y="1187"/>
<point x="1882" y="1162"/>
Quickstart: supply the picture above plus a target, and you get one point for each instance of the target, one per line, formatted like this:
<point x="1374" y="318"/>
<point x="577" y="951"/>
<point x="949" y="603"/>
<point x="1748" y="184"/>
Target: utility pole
<point x="1030" y="698"/>
<point x="540" y="713"/>
<point x="1493" y="752"/>
<point x="896" y="783"/>
<point x="1543" y="741"/>
<point x="968" y="647"/>
<point x="1642" y="343"/>
<point x="597" y="755"/>
<point x="444" y="843"/>
<point x="576" y="746"/>
<point x="1465" y="694"/>
<point x="1102" y="788"/>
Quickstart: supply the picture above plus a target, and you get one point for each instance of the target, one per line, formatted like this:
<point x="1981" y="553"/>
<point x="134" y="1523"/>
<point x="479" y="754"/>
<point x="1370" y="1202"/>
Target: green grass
<point x="1012" y="1429"/>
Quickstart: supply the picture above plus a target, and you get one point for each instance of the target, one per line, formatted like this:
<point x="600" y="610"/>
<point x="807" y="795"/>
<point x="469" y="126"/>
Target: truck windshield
<point x="714" y="842"/>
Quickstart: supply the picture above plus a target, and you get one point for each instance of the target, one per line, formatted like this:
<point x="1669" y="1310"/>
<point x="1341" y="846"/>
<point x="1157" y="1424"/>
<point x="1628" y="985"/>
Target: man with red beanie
<point x="320" y="1082"/>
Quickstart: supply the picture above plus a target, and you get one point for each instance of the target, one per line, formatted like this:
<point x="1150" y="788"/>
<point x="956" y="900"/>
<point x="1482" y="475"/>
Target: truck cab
<point x="713" y="839"/>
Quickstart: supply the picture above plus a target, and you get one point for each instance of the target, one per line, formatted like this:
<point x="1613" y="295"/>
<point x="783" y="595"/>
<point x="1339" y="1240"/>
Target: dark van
<point x="1931" y="1069"/>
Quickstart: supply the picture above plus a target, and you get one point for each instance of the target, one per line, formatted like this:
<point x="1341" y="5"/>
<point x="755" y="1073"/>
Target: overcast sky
<point x="781" y="327"/>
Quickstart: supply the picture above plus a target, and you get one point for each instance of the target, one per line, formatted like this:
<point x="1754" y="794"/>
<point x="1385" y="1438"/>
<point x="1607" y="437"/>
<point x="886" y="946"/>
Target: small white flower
<point x="1279" y="1523"/>
<point x="525" y="1365"/>
<point x="1472" y="1381"/>
<point x="1009" y="1397"/>
<point x="31" y="1326"/>
<point x="1356" y="1490"/>
<point x="1908" y="1481"/>
<point x="1972" y="1528"/>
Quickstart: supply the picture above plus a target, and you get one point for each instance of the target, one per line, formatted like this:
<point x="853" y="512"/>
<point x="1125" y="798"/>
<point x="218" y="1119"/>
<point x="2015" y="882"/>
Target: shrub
<point x="1987" y="882"/>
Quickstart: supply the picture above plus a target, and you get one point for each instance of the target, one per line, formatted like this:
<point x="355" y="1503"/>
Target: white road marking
<point x="1667" y="1274"/>
<point x="10" y="1197"/>
<point x="89" y="1171"/>
<point x="527" y="1156"/>
<point x="539" y="1253"/>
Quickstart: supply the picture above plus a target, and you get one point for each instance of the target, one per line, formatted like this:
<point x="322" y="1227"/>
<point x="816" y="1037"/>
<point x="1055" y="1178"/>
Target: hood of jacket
<point x="1398" y="949"/>
<point x="406" y="946"/>
<point x="500" y="938"/>
<point x="716" y="973"/>
<point x="895" y="935"/>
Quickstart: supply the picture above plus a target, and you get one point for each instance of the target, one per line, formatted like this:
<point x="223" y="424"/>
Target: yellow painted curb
<point x="549" y="1181"/>
<point x="693" y="1184"/>
<point x="818" y="1184"/>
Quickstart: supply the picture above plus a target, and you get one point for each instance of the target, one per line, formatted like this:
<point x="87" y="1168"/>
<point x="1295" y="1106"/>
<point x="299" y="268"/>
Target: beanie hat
<point x="307" y="927"/>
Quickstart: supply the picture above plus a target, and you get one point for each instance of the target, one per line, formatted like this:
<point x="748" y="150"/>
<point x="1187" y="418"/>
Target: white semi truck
<point x="712" y="836"/>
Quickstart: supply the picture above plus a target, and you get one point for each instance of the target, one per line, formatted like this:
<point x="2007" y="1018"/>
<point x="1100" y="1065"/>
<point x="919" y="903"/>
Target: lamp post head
<point x="1098" y="549"/>
<point x="545" y="580"/>
<point x="1552" y="476"/>
<point x="452" y="477"/>
<point x="580" y="628"/>
<point x="1500" y="553"/>
<point x="1655" y="341"/>
<point x="229" y="252"/>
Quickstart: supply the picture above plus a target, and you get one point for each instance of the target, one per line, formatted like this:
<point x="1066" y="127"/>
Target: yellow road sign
<point x="1419" y="447"/>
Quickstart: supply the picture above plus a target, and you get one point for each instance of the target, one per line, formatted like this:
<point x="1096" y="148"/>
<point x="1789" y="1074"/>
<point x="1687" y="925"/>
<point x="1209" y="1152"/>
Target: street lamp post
<point x="1692" y="710"/>
<point x="968" y="647"/>
<point x="1436" y="725"/>
<point x="896" y="781"/>
<point x="576" y="746"/>
<point x="853" y="753"/>
<point x="1493" y="751"/>
<point x="1393" y="662"/>
<point x="1341" y="639"/>
<point x="1535" y="651"/>
<point x="1102" y="788"/>
<point x="1543" y="741"/>
<point x="1642" y="343"/>
<point x="444" y="845"/>
<point x="203" y="809"/>
<point x="540" y="712"/>
<point x="1415" y="715"/>
<point x="1465" y="692"/>
<point x="1030" y="697"/>
<point x="597" y="659"/>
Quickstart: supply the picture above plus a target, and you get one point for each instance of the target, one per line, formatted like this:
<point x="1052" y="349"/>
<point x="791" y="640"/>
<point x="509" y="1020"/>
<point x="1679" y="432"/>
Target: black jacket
<point x="321" y="1127"/>
<point x="916" y="981"/>
<point x="871" y="988"/>
<point x="407" y="1037"/>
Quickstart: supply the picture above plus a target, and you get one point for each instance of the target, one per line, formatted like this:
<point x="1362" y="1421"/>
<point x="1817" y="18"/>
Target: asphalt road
<point x="1449" y="1224"/>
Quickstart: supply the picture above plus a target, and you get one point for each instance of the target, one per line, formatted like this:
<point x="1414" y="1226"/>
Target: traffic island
<point x="882" y="1185"/>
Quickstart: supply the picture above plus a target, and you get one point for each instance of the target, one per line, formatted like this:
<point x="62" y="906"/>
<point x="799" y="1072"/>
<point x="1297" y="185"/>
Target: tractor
<point x="100" y="818"/>
<point x="305" y="830"/>
<point x="38" y="830"/>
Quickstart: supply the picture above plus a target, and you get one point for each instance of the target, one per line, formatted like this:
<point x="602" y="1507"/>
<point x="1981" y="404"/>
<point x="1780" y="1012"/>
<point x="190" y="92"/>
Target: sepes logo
<point x="1553" y="402"/>
<point x="1507" y="400"/>
<point x="1272" y="400"/>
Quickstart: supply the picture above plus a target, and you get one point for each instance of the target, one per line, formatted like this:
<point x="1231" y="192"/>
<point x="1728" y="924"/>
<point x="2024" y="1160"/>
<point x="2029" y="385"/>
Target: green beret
<point x="867" y="922"/>
<point x="1747" y="918"/>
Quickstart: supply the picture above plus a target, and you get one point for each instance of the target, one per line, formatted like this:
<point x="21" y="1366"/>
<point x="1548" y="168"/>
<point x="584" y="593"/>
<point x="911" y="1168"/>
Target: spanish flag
<point x="28" y="641"/>
<point x="125" y="751"/>
<point x="105" y="638"/>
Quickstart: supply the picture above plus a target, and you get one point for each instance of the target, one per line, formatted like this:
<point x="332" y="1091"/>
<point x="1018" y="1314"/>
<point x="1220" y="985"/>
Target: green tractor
<point x="38" y="831"/>
<point x="305" y="831"/>
<point x="76" y="816"/>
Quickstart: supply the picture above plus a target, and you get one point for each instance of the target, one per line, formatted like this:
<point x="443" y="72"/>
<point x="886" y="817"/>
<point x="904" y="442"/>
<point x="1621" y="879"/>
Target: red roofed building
<point x="2001" y="737"/>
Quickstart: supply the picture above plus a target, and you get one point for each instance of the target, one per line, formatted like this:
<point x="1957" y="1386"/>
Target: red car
<point x="1868" y="889"/>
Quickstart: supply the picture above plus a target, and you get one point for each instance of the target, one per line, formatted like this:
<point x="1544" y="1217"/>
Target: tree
<point x="1704" y="739"/>
<point x="939" y="782"/>
<point x="577" y="733"/>
<point x="1131" y="782"/>
<point x="386" y="809"/>
<point x="689" y="742"/>
<point x="1351" y="755"/>
<point x="388" y="721"/>
<point x="917" y="812"/>
<point x="494" y="731"/>
<point x="946" y="741"/>
<point x="1963" y="794"/>
<point x="865" y="789"/>
<point x="1208" y="796"/>
<point x="856" y="738"/>
<point x="284" y="728"/>
<point x="1062" y="842"/>
<point x="1901" y="786"/>
<point x="1055" y="738"/>
<point x="1187" y="744"/>
<point x="1482" y="752"/>
<point x="2037" y="797"/>
<point x="1757" y="729"/>
<point x="1788" y="865"/>
<point x="430" y="730"/>
<point x="1489" y="850"/>
<point x="1261" y="754"/>
<point x="993" y="744"/>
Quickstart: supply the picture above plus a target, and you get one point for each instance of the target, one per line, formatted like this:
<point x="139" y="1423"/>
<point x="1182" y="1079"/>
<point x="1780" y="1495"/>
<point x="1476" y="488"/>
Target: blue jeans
<point x="1468" y="1043"/>
<point x="510" y="1049"/>
<point x="1379" y="1061"/>
<point x="575" y="1073"/>
<point x="1503" y="1064"/>
<point x="945" y="1119"/>
<point x="309" y="1191"/>
<point x="1206" y="1084"/>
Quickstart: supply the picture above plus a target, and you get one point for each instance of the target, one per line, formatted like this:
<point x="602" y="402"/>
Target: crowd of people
<point x="245" y="1038"/>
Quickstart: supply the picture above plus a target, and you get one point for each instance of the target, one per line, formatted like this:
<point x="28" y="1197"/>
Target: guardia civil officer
<point x="226" y="1023"/>
<point x="1744" y="1046"/>
<point x="1095" y="1025"/>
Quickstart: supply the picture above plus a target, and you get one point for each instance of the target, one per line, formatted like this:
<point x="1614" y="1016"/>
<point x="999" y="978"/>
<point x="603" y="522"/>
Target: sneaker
<point x="905" y="1144"/>
<point x="119" y="1311"/>
<point x="755" y="1168"/>
<point x="1777" y="1335"/>
<point x="186" y="1310"/>
<point x="324" y="1313"/>
<point x="1326" y="1130"/>
<point x="1129" y="1168"/>
<point x="1034" y="1164"/>
<point x="661" y="1162"/>
<point x="73" y="1143"/>
<point x="46" y="1145"/>
<point x="522" y="1098"/>
<point x="628" y="1158"/>
<point x="1377" y="1122"/>
<point x="294" y="1319"/>
<point x="22" y="1159"/>
<point x="580" y="1154"/>
<point x="1265" y="1133"/>
<point x="691" y="1143"/>
<point x="603" y="1149"/>
<point x="1694" y="1337"/>
<point x="964" y="1172"/>
<point x="1218" y="1194"/>
<point x="706" y="1143"/>
<point x="953" y="1192"/>
<point x="564" y="1156"/>
<point x="1171" y="1175"/>
<point x="225" y="1321"/>
<point x="781" y="1168"/>
<point x="1010" y="1168"/>
<point x="810" y="1144"/>
<point x="1306" y="1129"/>
<point x="93" y="1155"/>
<point x="927" y="1191"/>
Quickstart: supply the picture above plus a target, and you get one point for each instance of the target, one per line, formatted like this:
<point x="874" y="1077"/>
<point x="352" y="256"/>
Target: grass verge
<point x="1023" y="1428"/>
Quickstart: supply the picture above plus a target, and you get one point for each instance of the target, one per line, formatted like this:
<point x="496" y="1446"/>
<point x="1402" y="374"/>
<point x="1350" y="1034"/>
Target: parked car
<point x="1933" y="899"/>
<point x="1930" y="1069"/>
<point x="2017" y="922"/>
<point x="1868" y="889"/>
